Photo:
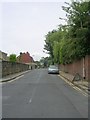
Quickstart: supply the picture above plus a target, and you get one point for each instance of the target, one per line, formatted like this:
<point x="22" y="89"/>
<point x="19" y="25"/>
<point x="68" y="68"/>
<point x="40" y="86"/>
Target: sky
<point x="24" y="25"/>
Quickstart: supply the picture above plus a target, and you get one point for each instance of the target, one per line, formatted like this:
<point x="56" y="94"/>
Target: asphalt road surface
<point x="38" y="94"/>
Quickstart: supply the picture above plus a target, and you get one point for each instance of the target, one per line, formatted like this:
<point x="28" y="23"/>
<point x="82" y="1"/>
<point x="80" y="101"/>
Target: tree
<point x="72" y="41"/>
<point x="12" y="57"/>
<point x="78" y="35"/>
<point x="78" y="15"/>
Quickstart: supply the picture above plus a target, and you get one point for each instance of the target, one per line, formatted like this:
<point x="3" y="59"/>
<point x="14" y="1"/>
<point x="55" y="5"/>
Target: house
<point x="25" y="58"/>
<point x="3" y="56"/>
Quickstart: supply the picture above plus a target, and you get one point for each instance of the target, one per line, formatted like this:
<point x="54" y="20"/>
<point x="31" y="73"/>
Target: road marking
<point x="16" y="78"/>
<point x="34" y="89"/>
<point x="30" y="100"/>
<point x="74" y="87"/>
<point x="13" y="79"/>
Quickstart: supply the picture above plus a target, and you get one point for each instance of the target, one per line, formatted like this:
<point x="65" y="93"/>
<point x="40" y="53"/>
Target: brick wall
<point x="87" y="65"/>
<point x="77" y="67"/>
<point x="11" y="68"/>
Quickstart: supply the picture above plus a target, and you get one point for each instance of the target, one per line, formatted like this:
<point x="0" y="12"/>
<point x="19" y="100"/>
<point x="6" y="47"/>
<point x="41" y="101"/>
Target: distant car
<point x="53" y="69"/>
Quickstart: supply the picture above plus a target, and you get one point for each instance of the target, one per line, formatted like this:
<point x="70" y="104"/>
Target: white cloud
<point x="37" y="56"/>
<point x="34" y="0"/>
<point x="25" y="25"/>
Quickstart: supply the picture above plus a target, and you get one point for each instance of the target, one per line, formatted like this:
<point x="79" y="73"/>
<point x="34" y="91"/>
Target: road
<point x="38" y="94"/>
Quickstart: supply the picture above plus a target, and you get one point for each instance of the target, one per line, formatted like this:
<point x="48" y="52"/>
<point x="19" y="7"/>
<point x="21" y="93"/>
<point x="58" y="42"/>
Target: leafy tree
<point x="72" y="41"/>
<point x="78" y="14"/>
<point x="56" y="52"/>
<point x="78" y="35"/>
<point x="12" y="58"/>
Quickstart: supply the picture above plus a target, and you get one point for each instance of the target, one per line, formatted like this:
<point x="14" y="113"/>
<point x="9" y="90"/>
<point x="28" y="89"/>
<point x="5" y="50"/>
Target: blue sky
<point x="25" y="24"/>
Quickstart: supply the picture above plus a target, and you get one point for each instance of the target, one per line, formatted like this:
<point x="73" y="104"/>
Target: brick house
<point x="25" y="58"/>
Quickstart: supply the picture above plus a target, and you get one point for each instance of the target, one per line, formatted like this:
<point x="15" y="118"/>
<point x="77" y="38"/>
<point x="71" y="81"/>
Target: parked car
<point x="53" y="69"/>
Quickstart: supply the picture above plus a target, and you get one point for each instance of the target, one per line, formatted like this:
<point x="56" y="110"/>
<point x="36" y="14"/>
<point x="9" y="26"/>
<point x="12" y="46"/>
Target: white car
<point x="53" y="69"/>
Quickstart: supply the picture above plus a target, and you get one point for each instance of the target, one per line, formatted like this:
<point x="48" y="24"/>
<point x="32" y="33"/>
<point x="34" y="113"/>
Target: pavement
<point x="12" y="76"/>
<point x="82" y="84"/>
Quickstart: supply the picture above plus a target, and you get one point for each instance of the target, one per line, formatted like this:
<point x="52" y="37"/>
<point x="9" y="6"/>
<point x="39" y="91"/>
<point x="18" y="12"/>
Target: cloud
<point x="37" y="56"/>
<point x="26" y="24"/>
<point x="33" y="0"/>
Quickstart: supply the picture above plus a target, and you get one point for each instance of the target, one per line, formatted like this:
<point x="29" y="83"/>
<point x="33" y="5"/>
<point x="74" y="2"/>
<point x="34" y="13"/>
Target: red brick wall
<point x="77" y="67"/>
<point x="87" y="64"/>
